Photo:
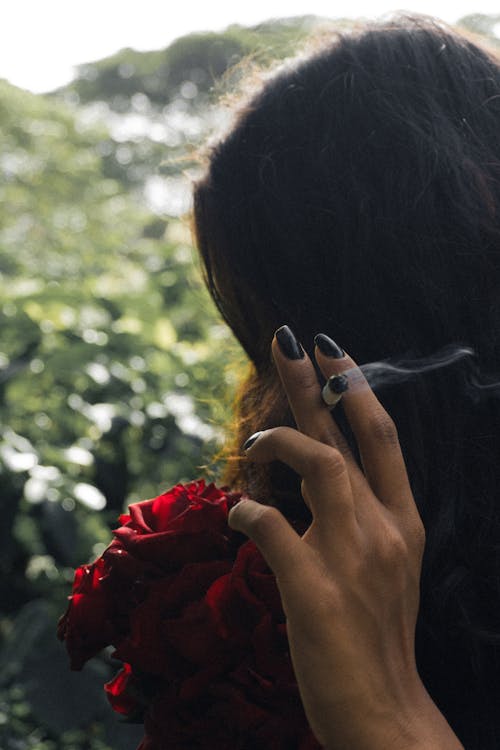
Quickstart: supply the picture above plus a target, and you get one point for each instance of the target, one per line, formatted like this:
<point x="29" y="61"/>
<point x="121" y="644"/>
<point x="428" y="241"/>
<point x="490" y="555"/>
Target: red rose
<point x="237" y="681"/>
<point x="186" y="525"/>
<point x="196" y="617"/>
<point x="87" y="625"/>
<point x="230" y="721"/>
<point x="122" y="692"/>
<point x="147" y="643"/>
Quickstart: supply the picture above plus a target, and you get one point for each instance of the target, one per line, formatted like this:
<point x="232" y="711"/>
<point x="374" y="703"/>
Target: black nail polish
<point x="288" y="343"/>
<point x="251" y="440"/>
<point x="328" y="347"/>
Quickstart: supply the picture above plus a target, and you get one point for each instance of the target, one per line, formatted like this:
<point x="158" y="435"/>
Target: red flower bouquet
<point x="194" y="614"/>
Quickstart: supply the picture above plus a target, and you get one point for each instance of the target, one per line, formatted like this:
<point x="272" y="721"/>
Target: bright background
<point x="117" y="374"/>
<point x="41" y="40"/>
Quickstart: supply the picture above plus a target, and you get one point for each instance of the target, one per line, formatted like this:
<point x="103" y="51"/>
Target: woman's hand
<point x="350" y="585"/>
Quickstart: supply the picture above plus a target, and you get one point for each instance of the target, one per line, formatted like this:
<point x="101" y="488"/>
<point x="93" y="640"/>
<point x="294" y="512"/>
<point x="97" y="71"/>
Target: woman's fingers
<point x="281" y="546"/>
<point x="303" y="390"/>
<point x="374" y="430"/>
<point x="375" y="433"/>
<point x="299" y="567"/>
<point x="323" y="470"/>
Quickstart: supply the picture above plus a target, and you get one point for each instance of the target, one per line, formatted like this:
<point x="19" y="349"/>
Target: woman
<point x="358" y="195"/>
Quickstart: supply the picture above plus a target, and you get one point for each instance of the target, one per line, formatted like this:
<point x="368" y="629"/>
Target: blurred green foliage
<point x="189" y="68"/>
<point x="116" y="373"/>
<point x="114" y="384"/>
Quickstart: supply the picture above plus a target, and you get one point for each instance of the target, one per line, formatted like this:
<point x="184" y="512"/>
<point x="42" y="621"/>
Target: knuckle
<point x="393" y="548"/>
<point x="414" y="530"/>
<point x="263" y="521"/>
<point x="381" y="428"/>
<point x="331" y="461"/>
<point x="418" y="535"/>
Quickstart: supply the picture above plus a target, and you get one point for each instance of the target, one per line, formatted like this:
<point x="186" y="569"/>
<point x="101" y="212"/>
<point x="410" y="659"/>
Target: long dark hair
<point x="358" y="194"/>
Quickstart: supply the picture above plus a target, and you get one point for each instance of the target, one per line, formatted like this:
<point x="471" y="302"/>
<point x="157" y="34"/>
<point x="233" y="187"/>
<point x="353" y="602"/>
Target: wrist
<point x="421" y="727"/>
<point x="415" y="725"/>
<point x="427" y="728"/>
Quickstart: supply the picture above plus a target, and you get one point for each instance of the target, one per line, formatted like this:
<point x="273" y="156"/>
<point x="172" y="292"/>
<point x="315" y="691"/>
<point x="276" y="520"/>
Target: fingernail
<point x="251" y="440"/>
<point x="288" y="343"/>
<point x="328" y="347"/>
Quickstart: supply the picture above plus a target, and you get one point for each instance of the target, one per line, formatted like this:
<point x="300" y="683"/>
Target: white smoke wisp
<point x="390" y="372"/>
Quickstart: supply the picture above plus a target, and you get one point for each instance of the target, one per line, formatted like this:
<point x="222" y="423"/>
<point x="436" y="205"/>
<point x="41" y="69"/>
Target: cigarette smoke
<point x="472" y="380"/>
<point x="390" y="371"/>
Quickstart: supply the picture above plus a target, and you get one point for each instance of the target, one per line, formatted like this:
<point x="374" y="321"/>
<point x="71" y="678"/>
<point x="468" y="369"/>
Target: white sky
<point x="41" y="40"/>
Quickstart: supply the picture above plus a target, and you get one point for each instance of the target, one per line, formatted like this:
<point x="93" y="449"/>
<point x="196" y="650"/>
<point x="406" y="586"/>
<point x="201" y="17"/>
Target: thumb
<point x="280" y="545"/>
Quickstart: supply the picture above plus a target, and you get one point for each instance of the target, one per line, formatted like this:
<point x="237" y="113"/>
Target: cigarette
<point x="335" y="386"/>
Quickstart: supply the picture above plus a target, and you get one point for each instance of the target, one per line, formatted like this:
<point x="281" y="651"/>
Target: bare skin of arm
<point x="350" y="584"/>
